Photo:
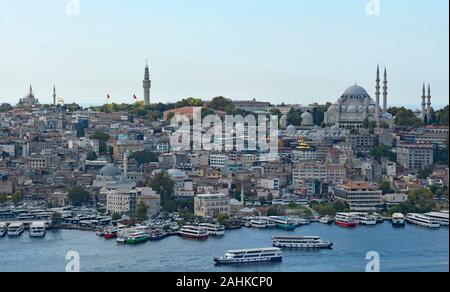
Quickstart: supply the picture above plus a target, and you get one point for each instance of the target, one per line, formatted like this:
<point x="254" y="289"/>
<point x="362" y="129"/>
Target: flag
<point x="135" y="97"/>
<point x="108" y="96"/>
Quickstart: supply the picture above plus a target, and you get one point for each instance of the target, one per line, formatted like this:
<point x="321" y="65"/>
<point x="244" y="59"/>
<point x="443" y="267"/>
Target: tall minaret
<point x="54" y="95"/>
<point x="125" y="164"/>
<point x="147" y="84"/>
<point x="377" y="95"/>
<point x="423" y="114"/>
<point x="429" y="104"/>
<point x="385" y="91"/>
<point x="242" y="195"/>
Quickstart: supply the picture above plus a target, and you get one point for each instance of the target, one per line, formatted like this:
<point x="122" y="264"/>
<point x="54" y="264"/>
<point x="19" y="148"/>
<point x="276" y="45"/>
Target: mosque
<point x="29" y="99"/>
<point x="356" y="106"/>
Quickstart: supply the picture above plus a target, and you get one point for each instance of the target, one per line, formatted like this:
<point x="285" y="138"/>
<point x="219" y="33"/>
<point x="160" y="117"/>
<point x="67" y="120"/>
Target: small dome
<point x="110" y="170"/>
<point x="307" y="119"/>
<point x="291" y="130"/>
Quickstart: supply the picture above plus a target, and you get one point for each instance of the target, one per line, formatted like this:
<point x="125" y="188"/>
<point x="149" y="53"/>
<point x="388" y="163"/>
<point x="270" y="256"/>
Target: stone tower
<point x="147" y="85"/>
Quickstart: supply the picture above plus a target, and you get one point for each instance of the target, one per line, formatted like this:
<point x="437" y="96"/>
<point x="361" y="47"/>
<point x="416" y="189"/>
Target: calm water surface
<point x="410" y="249"/>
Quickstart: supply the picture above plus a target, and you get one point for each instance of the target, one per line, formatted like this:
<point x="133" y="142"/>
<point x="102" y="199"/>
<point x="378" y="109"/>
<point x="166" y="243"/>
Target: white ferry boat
<point x="15" y="229"/>
<point x="422" y="220"/>
<point x="246" y="256"/>
<point x="259" y="223"/>
<point x="441" y="217"/>
<point x="300" y="242"/>
<point x="214" y="229"/>
<point x="194" y="232"/>
<point x="3" y="229"/>
<point x="37" y="229"/>
<point x="398" y="220"/>
<point x="365" y="218"/>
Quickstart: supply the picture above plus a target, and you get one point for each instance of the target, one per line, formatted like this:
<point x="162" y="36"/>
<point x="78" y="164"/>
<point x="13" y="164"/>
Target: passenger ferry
<point x="3" y="229"/>
<point x="283" y="223"/>
<point x="214" y="229"/>
<point x="110" y="233"/>
<point x="15" y="229"/>
<point x="194" y="232"/>
<point x="37" y="229"/>
<point x="346" y="220"/>
<point x="422" y="220"/>
<point x="247" y="256"/>
<point x="441" y="217"/>
<point x="137" y="237"/>
<point x="301" y="242"/>
<point x="157" y="234"/>
<point x="398" y="220"/>
<point x="259" y="223"/>
<point x="365" y="219"/>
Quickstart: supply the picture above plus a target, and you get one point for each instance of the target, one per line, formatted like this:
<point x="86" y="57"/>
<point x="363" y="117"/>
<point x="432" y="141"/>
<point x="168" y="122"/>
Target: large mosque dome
<point x="110" y="171"/>
<point x="355" y="92"/>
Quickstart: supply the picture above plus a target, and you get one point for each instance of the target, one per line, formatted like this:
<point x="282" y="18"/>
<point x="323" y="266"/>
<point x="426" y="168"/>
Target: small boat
<point x="422" y="220"/>
<point x="326" y="220"/>
<point x="155" y="235"/>
<point x="214" y="229"/>
<point x="308" y="242"/>
<point x="379" y="218"/>
<point x="110" y="233"/>
<point x="15" y="229"/>
<point x="37" y="229"/>
<point x="193" y="232"/>
<point x="3" y="229"/>
<point x="365" y="219"/>
<point x="248" y="256"/>
<point x="137" y="237"/>
<point x="345" y="220"/>
<point x="398" y="220"/>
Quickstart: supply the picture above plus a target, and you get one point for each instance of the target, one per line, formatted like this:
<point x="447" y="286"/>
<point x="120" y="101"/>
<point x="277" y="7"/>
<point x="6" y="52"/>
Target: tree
<point x="442" y="117"/>
<point x="162" y="184"/>
<point x="143" y="157"/>
<point x="141" y="211"/>
<point x="116" y="216"/>
<point x="5" y="107"/>
<point x="419" y="201"/>
<point x="385" y="187"/>
<point x="16" y="198"/>
<point x="3" y="198"/>
<point x="424" y="173"/>
<point x="222" y="104"/>
<point x="191" y="101"/>
<point x="406" y="117"/>
<point x="91" y="156"/>
<point x="294" y="117"/>
<point x="383" y="151"/>
<point x="222" y="218"/>
<point x="78" y="196"/>
<point x="102" y="138"/>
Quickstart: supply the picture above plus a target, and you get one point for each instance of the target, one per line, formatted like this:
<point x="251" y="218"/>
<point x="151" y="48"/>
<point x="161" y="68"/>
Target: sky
<point x="291" y="51"/>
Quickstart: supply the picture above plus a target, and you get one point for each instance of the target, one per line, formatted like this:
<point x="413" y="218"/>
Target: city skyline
<point x="236" y="57"/>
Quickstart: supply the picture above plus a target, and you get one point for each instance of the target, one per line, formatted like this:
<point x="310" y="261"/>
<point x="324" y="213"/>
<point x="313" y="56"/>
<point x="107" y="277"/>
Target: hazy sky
<point x="292" y="51"/>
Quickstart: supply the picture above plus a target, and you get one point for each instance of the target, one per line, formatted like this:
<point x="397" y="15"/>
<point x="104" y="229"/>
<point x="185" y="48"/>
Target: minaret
<point x="54" y="95"/>
<point x="429" y="104"/>
<point x="147" y="84"/>
<point x="423" y="113"/>
<point x="377" y="95"/>
<point x="385" y="91"/>
<point x="31" y="90"/>
<point x="125" y="165"/>
<point x="242" y="195"/>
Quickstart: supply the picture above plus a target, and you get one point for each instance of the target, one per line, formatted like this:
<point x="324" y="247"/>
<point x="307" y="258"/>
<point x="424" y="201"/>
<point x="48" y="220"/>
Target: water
<point x="412" y="249"/>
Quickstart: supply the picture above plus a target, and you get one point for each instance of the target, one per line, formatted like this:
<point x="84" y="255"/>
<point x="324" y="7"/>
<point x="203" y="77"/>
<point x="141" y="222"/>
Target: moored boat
<point x="345" y="220"/>
<point x="441" y="217"/>
<point x="3" y="229"/>
<point x="247" y="256"/>
<point x="326" y="220"/>
<point x="398" y="220"/>
<point x="259" y="223"/>
<point x="214" y="229"/>
<point x="193" y="232"/>
<point x="307" y="242"/>
<point x="37" y="229"/>
<point x="137" y="237"/>
<point x="15" y="229"/>
<point x="422" y="220"/>
<point x="283" y="223"/>
<point x="365" y="219"/>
